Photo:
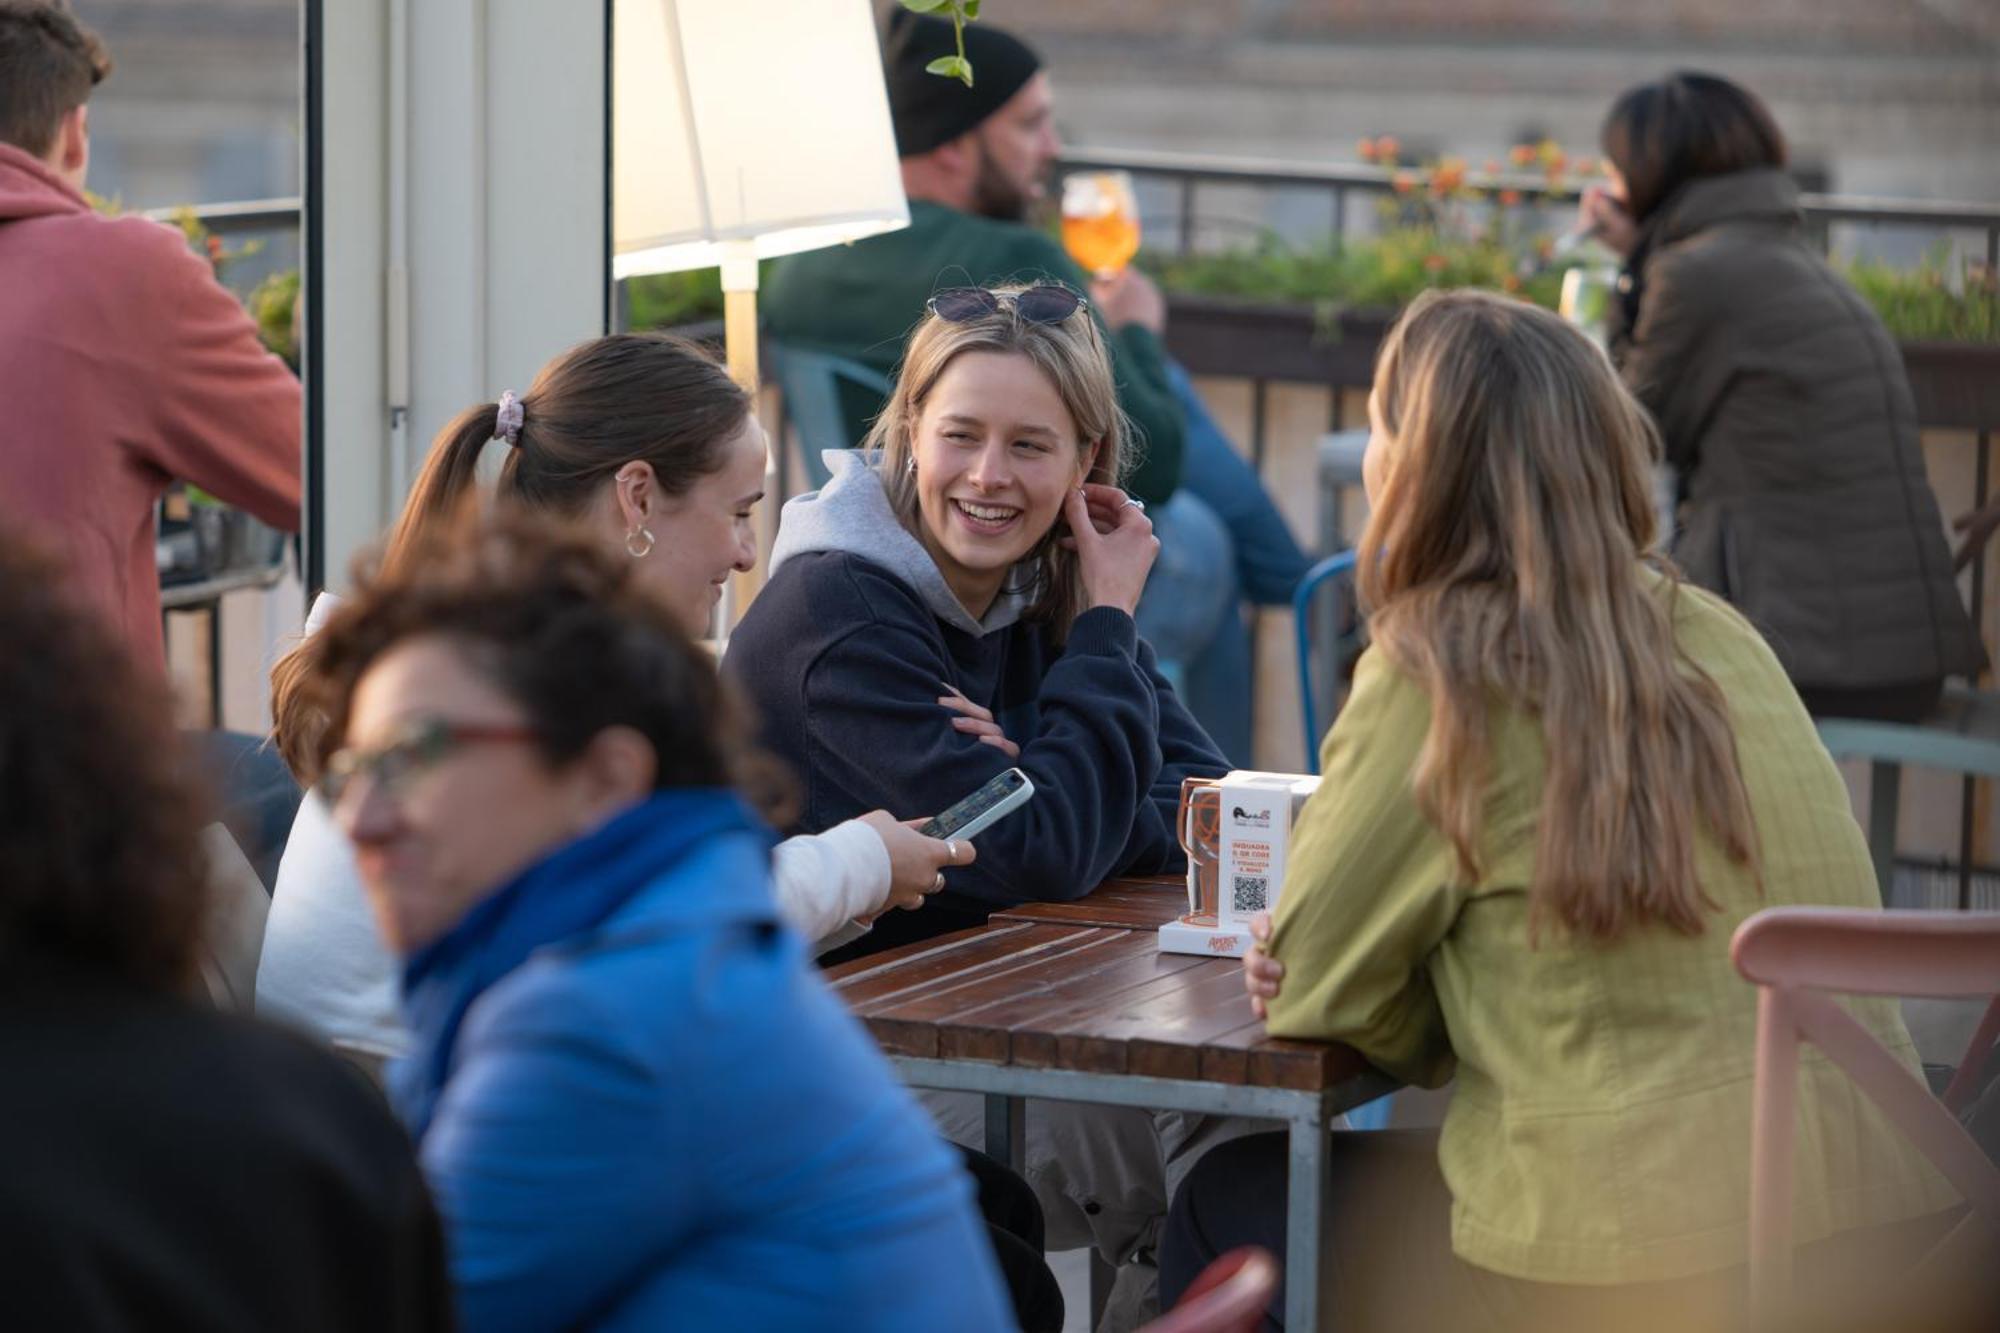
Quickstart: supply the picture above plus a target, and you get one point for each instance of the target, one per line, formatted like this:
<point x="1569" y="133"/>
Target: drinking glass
<point x="1100" y="221"/>
<point x="1586" y="299"/>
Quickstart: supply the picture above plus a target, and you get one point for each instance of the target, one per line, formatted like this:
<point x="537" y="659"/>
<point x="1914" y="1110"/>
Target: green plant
<point x="962" y="12"/>
<point x="273" y="303"/>
<point x="1439" y="228"/>
<point x="1936" y="301"/>
<point x="662" y="300"/>
<point x="1932" y="302"/>
<point x="1381" y="272"/>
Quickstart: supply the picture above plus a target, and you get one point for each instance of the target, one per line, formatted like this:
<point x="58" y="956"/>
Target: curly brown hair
<point x="100" y="860"/>
<point x="562" y="625"/>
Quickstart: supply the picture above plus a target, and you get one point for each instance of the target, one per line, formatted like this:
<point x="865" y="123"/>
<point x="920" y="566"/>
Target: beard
<point x="996" y="195"/>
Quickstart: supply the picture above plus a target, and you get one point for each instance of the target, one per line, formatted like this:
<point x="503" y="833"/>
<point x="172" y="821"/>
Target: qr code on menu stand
<point x="1250" y="893"/>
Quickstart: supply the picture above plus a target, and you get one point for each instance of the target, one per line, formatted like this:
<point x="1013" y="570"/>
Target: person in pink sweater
<point x="124" y="365"/>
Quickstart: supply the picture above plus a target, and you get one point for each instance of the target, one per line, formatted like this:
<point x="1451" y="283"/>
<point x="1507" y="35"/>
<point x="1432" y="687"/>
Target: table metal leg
<point x="1308" y="1196"/>
<point x="1007" y="1129"/>
<point x="1102" y="1276"/>
<point x="1885" y="790"/>
<point x="215" y="664"/>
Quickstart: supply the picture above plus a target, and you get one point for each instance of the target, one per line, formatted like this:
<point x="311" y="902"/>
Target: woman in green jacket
<point x="1562" y="780"/>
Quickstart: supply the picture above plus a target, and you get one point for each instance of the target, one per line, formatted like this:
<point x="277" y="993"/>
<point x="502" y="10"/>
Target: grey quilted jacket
<point x="1786" y="412"/>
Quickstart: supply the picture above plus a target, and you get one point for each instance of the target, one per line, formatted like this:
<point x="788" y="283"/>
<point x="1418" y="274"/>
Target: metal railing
<point x="238" y="216"/>
<point x="1190" y="171"/>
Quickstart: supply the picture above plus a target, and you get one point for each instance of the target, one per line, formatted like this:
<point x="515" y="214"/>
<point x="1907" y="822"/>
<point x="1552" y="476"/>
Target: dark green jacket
<point x="859" y="300"/>
<point x="1785" y="408"/>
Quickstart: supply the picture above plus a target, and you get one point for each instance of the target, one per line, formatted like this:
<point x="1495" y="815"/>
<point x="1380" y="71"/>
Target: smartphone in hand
<point x="977" y="812"/>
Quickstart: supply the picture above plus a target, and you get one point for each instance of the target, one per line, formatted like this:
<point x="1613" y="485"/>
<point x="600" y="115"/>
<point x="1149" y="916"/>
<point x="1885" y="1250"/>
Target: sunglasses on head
<point x="1043" y="303"/>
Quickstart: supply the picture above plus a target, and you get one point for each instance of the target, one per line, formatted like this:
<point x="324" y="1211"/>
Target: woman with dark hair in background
<point x="1782" y="402"/>
<point x="161" y="1165"/>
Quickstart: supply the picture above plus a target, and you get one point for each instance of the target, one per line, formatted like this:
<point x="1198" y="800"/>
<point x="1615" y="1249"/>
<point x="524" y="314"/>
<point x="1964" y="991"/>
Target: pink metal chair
<point x="1797" y="957"/>
<point x="1230" y="1296"/>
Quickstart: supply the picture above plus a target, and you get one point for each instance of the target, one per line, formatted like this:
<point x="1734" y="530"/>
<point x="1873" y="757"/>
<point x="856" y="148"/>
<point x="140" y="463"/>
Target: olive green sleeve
<point x="1369" y="890"/>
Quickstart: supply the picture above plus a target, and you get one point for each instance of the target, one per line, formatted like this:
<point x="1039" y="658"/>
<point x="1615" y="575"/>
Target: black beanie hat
<point x="931" y="109"/>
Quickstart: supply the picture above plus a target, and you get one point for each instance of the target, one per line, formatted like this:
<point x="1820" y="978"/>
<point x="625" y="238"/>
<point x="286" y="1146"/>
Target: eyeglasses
<point x="1043" y="303"/>
<point x="421" y="747"/>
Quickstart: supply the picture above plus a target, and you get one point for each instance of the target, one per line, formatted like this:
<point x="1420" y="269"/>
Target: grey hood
<point x="852" y="514"/>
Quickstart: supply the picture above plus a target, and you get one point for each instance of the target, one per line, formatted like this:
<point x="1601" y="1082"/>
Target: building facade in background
<point x="1882" y="97"/>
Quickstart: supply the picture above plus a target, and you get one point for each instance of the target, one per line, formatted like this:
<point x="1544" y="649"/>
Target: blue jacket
<point x="639" y="1108"/>
<point x="845" y="652"/>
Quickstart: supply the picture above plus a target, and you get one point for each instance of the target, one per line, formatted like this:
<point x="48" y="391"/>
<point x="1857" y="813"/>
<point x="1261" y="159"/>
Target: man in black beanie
<point x="975" y="162"/>
<point x="974" y="165"/>
<point x="1003" y="125"/>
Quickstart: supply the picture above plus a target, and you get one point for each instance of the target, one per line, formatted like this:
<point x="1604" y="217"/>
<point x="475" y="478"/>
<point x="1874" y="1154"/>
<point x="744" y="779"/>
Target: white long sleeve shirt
<point x="323" y="968"/>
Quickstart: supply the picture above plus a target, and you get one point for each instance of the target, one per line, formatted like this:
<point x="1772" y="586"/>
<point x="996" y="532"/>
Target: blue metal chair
<point x="819" y="388"/>
<point x="1963" y="736"/>
<point x="1375" y="1114"/>
<point x="1334" y="566"/>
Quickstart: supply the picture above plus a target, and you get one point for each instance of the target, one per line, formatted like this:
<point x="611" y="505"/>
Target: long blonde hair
<point x="1514" y="527"/>
<point x="1072" y="356"/>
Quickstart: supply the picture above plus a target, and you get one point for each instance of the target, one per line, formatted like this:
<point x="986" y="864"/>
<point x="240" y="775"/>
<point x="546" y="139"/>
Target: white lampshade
<point x="745" y="129"/>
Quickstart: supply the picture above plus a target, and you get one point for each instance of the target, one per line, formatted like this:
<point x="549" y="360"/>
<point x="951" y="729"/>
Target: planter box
<point x="1957" y="385"/>
<point x="1215" y="335"/>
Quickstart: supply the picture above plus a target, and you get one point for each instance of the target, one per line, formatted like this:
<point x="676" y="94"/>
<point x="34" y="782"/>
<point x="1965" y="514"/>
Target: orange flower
<point x="1521" y="154"/>
<point x="1435" y="263"/>
<point x="1509" y="198"/>
<point x="1402" y="182"/>
<point x="1510" y="283"/>
<point x="1553" y="163"/>
<point x="1450" y="174"/>
<point x="214" y="248"/>
<point x="1492" y="166"/>
<point x="1387" y="147"/>
<point x="1366" y="147"/>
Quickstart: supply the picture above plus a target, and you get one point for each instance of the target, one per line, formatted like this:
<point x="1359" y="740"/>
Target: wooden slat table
<point x="1073" y="1010"/>
<point x="1127" y="904"/>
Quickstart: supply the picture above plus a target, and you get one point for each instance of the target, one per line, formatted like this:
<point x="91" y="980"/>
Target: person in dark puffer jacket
<point x="1783" y="404"/>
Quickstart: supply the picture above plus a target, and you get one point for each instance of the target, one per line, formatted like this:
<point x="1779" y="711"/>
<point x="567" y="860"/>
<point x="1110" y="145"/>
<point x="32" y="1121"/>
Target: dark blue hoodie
<point x="845" y="653"/>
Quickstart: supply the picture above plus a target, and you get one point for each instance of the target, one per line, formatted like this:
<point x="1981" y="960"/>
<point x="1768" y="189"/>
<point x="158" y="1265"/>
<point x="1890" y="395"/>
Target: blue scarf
<point x="572" y="890"/>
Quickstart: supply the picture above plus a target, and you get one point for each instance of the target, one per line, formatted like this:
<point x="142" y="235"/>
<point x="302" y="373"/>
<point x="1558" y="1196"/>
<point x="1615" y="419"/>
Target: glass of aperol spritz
<point x="1100" y="221"/>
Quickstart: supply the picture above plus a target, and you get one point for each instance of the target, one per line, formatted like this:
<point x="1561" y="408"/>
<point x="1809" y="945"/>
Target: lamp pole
<point x="739" y="336"/>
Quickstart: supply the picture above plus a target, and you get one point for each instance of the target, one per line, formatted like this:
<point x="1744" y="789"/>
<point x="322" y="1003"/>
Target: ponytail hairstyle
<point x="632" y="397"/>
<point x="1515" y="525"/>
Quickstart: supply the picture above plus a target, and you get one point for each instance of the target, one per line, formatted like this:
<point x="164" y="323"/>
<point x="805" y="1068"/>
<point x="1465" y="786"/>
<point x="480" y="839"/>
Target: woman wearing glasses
<point x="987" y="554"/>
<point x="648" y="439"/>
<point x="636" y="1105"/>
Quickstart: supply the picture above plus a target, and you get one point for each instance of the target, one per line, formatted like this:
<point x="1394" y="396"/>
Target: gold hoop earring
<point x="639" y="543"/>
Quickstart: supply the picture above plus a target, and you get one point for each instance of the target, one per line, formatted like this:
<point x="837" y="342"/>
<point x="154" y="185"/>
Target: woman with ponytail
<point x="646" y="438"/>
<point x="1563" y="778"/>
